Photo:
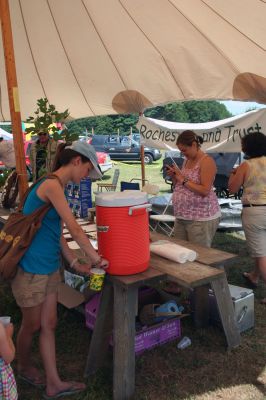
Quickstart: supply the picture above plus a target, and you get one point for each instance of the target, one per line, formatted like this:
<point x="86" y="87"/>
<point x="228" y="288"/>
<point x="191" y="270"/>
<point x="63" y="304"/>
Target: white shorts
<point x="254" y="225"/>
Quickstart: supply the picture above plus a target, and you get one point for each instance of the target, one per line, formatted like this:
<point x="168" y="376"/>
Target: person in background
<point x="251" y="174"/>
<point x="8" y="387"/>
<point x="42" y="155"/>
<point x="7" y="153"/>
<point x="196" y="206"/>
<point x="35" y="285"/>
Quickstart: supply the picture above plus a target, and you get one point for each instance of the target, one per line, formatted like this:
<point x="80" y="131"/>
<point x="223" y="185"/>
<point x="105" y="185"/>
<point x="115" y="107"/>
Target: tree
<point x="46" y="119"/>
<point x="188" y="111"/>
<point x="205" y="111"/>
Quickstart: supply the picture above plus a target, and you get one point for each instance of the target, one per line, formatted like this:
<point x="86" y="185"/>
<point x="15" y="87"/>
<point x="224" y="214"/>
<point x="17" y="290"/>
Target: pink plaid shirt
<point x="8" y="387"/>
<point x="192" y="206"/>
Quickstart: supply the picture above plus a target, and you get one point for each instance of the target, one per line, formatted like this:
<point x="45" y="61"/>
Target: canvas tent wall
<point x="80" y="54"/>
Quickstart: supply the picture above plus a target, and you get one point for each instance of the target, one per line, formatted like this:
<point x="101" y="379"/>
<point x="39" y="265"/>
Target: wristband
<point x="73" y="262"/>
<point x="185" y="181"/>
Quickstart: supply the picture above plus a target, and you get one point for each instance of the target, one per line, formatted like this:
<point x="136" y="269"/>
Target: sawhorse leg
<point x="201" y="306"/>
<point x="102" y="332"/>
<point x="125" y="300"/>
<point x="226" y="311"/>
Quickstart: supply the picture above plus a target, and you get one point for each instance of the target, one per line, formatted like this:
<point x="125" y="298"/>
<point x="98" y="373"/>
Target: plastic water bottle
<point x="184" y="343"/>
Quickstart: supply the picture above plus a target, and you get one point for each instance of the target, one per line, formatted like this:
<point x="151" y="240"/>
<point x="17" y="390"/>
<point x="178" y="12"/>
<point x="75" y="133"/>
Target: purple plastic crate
<point x="147" y="337"/>
<point x="91" y="310"/>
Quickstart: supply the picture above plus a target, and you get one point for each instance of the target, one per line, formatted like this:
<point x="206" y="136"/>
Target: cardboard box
<point x="147" y="337"/>
<point x="243" y="301"/>
<point x="69" y="297"/>
<point x="79" y="197"/>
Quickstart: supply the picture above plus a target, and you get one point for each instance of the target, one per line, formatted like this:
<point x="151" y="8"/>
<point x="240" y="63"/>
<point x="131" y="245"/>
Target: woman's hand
<point x="174" y="172"/>
<point x="83" y="268"/>
<point x="104" y="264"/>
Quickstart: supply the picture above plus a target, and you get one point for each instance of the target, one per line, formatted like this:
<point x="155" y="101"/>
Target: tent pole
<point x="13" y="96"/>
<point x="142" y="155"/>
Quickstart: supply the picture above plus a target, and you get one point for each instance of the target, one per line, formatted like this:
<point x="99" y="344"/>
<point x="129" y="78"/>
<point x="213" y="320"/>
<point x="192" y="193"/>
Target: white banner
<point x="218" y="136"/>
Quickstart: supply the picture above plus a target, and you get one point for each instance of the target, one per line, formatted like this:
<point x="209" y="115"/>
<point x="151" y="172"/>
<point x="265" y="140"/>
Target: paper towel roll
<point x="173" y="251"/>
<point x="168" y="307"/>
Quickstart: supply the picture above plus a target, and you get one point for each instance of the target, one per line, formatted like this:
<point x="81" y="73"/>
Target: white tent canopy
<point x="81" y="53"/>
<point x="218" y="136"/>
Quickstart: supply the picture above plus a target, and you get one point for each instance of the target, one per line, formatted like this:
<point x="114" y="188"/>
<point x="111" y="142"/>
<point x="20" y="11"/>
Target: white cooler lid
<point x="121" y="199"/>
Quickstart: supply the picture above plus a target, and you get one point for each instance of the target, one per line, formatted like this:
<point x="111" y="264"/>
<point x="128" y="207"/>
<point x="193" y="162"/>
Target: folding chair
<point x="164" y="221"/>
<point x="110" y="187"/>
<point x="132" y="185"/>
<point x="129" y="186"/>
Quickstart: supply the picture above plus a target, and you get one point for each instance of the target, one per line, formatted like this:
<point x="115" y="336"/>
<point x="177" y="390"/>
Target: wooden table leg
<point x="201" y="306"/>
<point x="124" y="342"/>
<point x="102" y="332"/>
<point x="226" y="311"/>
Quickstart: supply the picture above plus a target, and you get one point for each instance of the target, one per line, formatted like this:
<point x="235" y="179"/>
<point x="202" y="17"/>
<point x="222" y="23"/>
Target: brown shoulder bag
<point x="18" y="232"/>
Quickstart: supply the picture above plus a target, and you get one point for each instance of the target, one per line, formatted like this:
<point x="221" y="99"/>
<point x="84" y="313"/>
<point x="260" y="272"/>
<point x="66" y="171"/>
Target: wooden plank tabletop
<point x="142" y="278"/>
<point x="208" y="256"/>
<point x="189" y="274"/>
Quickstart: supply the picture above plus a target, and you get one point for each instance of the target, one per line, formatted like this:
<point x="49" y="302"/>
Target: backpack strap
<point x="48" y="176"/>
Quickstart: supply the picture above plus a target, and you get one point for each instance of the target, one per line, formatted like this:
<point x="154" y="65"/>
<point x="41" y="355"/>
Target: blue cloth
<point x="43" y="254"/>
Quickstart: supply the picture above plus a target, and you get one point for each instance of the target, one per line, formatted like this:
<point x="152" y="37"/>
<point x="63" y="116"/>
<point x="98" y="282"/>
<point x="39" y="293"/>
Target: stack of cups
<point x="96" y="279"/>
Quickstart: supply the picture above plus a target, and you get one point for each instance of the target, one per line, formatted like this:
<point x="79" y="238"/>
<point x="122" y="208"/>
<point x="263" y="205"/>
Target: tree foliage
<point x="46" y="119"/>
<point x="189" y="111"/>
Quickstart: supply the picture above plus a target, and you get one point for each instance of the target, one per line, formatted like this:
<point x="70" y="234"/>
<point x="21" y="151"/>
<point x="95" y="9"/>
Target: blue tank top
<point x="43" y="254"/>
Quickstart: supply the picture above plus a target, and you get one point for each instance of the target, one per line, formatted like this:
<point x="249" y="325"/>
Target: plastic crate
<point x="145" y="338"/>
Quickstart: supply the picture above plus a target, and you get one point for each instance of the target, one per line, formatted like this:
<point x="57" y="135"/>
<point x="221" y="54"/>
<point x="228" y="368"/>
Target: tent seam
<point x="28" y="40"/>
<point x="155" y="47"/>
<point x="96" y="30"/>
<point x="234" y="68"/>
<point x="234" y="27"/>
<point x="68" y="59"/>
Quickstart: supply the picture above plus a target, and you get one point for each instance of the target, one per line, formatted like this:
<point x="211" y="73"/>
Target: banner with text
<point x="218" y="136"/>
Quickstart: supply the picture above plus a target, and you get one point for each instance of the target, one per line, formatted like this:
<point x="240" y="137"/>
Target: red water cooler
<point x="122" y="220"/>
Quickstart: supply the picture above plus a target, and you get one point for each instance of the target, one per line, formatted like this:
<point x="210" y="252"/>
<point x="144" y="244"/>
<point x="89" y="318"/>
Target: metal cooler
<point x="243" y="301"/>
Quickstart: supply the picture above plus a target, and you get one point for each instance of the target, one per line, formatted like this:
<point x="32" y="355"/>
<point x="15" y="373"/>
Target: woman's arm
<point x="51" y="190"/>
<point x="207" y="174"/>
<point x="7" y="348"/>
<point x="238" y="177"/>
<point x="72" y="259"/>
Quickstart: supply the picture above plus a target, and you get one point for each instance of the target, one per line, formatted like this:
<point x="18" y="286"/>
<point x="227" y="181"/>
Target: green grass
<point x="203" y="371"/>
<point x="132" y="170"/>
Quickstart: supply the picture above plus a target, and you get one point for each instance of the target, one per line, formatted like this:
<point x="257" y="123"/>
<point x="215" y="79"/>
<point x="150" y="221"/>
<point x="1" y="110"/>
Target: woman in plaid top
<point x="8" y="387"/>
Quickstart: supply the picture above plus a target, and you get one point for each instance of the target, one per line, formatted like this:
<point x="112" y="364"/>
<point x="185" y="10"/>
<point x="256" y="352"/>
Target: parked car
<point x="104" y="160"/>
<point x="123" y="148"/>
